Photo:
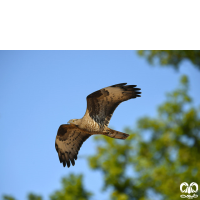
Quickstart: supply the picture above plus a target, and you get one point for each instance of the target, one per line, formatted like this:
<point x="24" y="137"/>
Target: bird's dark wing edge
<point x="102" y="103"/>
<point x="68" y="142"/>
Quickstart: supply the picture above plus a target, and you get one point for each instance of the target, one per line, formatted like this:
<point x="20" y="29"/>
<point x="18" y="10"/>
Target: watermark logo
<point x="190" y="189"/>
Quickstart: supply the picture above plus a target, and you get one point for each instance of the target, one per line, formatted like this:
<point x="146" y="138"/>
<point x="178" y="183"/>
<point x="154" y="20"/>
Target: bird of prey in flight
<point x="100" y="107"/>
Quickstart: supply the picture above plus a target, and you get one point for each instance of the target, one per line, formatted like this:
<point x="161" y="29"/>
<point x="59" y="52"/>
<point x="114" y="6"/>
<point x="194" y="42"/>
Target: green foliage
<point x="72" y="189"/>
<point x="113" y="158"/>
<point x="172" y="57"/>
<point x="6" y="197"/>
<point x="158" y="157"/>
<point x="32" y="196"/>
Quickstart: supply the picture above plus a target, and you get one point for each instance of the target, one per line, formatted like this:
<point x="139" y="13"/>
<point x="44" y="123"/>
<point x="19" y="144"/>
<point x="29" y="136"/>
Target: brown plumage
<point x="100" y="107"/>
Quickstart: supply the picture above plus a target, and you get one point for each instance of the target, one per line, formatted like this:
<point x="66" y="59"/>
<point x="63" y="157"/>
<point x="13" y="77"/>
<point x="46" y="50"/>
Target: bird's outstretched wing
<point x="68" y="142"/>
<point x="102" y="103"/>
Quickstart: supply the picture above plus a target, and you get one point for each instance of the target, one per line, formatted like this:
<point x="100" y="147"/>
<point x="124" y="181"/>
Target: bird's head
<point x="73" y="121"/>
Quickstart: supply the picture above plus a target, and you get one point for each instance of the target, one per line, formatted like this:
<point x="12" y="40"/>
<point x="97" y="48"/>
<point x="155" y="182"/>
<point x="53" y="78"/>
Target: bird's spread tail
<point x="115" y="134"/>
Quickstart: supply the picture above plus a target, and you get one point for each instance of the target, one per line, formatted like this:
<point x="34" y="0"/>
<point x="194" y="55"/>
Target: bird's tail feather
<point x="115" y="134"/>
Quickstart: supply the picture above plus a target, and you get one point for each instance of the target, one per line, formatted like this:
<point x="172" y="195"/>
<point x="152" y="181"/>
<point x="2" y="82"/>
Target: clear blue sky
<point x="39" y="90"/>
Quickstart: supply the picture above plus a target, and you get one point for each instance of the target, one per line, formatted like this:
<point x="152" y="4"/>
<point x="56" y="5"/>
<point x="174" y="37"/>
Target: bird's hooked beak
<point x="70" y="121"/>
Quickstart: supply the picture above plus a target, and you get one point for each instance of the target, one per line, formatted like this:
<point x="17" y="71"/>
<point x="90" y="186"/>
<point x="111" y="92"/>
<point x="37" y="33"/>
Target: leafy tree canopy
<point x="7" y="197"/>
<point x="30" y="196"/>
<point x="72" y="189"/>
<point x="171" y="57"/>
